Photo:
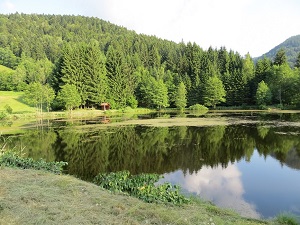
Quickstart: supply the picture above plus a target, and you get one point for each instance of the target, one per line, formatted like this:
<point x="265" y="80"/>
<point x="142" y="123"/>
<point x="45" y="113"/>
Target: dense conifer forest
<point x="75" y="61"/>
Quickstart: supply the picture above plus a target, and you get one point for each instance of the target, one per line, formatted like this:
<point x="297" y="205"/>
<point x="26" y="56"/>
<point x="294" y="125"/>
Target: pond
<point x="246" y="161"/>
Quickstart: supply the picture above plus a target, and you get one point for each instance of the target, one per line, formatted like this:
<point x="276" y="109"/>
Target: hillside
<point x="291" y="47"/>
<point x="109" y="63"/>
<point x="14" y="100"/>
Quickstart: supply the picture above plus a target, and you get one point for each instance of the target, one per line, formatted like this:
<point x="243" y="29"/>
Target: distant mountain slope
<point x="291" y="47"/>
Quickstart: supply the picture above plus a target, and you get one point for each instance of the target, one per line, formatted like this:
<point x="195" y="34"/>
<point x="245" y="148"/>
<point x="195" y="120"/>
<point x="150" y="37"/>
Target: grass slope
<point x="14" y="100"/>
<point x="36" y="197"/>
<point x="5" y="69"/>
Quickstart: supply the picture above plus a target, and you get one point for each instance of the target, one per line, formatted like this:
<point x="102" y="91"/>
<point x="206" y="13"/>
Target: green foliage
<point x="280" y="58"/>
<point x="263" y="94"/>
<point x="291" y="47"/>
<point x="180" y="98"/>
<point x="141" y="186"/>
<point x="153" y="93"/>
<point x="11" y="158"/>
<point x="104" y="63"/>
<point x="3" y="115"/>
<point x="297" y="63"/>
<point x="37" y="94"/>
<point x="214" y="92"/>
<point x="8" y="109"/>
<point x="69" y="97"/>
<point x="286" y="219"/>
<point x="198" y="107"/>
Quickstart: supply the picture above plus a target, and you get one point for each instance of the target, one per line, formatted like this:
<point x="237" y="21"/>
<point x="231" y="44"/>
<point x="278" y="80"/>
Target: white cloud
<point x="223" y="187"/>
<point x="7" y="6"/>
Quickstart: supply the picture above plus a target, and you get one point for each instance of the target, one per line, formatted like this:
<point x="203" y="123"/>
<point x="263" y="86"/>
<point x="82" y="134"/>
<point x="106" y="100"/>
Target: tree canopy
<point x="108" y="63"/>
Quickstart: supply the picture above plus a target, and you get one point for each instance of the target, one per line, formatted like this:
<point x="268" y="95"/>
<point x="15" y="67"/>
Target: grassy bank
<point x="37" y="197"/>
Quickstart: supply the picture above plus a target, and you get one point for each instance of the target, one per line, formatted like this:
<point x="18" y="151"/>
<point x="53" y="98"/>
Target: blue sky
<point x="253" y="26"/>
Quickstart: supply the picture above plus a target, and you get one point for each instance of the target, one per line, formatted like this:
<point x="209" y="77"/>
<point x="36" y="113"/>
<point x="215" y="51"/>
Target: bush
<point x="8" y="109"/>
<point x="198" y="107"/>
<point x="3" y="115"/>
<point x="11" y="159"/>
<point x="141" y="186"/>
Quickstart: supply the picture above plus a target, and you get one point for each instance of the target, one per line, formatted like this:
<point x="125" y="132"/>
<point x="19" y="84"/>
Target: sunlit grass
<point x="37" y="197"/>
<point x="14" y="100"/>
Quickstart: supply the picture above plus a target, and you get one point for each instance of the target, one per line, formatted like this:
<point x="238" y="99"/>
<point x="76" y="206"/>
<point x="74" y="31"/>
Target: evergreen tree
<point x="280" y="58"/>
<point x="95" y="73"/>
<point x="120" y="80"/>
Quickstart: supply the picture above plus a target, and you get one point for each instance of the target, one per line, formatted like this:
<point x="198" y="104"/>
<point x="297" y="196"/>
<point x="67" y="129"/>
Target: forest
<point x="66" y="62"/>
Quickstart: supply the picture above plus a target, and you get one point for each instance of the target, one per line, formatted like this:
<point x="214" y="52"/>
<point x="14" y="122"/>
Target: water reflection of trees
<point x="158" y="149"/>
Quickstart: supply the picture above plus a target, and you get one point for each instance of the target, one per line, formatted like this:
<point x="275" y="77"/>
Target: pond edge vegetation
<point x="142" y="186"/>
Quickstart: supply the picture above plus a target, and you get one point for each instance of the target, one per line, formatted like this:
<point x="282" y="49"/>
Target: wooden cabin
<point x="105" y="106"/>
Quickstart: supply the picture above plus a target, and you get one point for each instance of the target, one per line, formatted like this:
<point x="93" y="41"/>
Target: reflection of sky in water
<point x="250" y="189"/>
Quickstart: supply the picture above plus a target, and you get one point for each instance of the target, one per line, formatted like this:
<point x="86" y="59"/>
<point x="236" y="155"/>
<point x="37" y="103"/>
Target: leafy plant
<point x="141" y="186"/>
<point x="8" y="109"/>
<point x="3" y="115"/>
<point x="10" y="158"/>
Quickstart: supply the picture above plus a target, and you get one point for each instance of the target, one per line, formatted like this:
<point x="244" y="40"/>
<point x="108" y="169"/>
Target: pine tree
<point x="280" y="57"/>
<point x="95" y="74"/>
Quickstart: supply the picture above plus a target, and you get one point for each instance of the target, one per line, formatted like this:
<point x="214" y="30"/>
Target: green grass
<point x="14" y="100"/>
<point x="5" y="69"/>
<point x="38" y="197"/>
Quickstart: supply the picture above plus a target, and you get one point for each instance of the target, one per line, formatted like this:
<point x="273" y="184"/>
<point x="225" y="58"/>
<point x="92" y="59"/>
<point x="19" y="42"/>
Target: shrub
<point x="8" y="109"/>
<point x="11" y="159"/>
<point x="3" y="115"/>
<point x="198" y="107"/>
<point x="141" y="186"/>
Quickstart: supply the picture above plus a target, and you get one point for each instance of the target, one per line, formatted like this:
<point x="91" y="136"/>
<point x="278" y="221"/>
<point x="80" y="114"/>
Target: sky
<point x="254" y="26"/>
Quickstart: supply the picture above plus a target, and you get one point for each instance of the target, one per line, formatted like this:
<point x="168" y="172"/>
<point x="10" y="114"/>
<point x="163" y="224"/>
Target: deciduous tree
<point x="214" y="92"/>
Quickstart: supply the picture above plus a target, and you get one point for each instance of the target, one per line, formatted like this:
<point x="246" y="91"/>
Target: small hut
<point x="105" y="106"/>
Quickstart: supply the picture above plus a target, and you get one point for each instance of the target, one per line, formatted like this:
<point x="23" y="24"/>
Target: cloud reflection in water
<point x="221" y="186"/>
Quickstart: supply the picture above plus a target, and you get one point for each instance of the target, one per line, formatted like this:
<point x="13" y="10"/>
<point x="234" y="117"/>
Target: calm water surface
<point x="252" y="167"/>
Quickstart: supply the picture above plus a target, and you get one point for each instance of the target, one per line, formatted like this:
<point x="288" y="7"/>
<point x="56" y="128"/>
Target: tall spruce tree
<point x="120" y="80"/>
<point x="280" y="58"/>
<point x="95" y="74"/>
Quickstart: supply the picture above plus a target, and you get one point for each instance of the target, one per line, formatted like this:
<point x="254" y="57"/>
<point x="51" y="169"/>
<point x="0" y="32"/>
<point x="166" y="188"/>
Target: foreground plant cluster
<point x="12" y="159"/>
<point x="141" y="186"/>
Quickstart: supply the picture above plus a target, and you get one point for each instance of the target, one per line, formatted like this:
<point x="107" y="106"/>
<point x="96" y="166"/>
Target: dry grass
<point x="35" y="197"/>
